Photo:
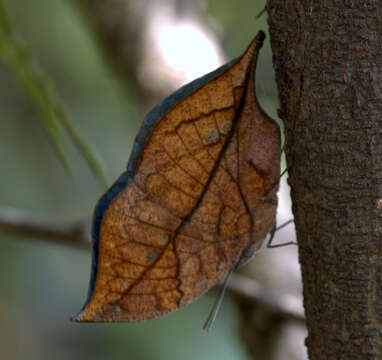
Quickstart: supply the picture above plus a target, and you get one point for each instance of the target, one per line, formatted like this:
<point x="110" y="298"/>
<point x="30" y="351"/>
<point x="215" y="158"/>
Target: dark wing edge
<point x="147" y="127"/>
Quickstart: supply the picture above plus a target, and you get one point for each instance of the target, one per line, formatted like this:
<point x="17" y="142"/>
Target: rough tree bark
<point x="328" y="62"/>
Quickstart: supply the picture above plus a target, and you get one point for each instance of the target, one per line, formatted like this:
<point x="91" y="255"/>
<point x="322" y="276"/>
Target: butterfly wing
<point x="190" y="202"/>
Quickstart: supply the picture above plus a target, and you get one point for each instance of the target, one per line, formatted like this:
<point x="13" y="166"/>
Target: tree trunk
<point x="328" y="62"/>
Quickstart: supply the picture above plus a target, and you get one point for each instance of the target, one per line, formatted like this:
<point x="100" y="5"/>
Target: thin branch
<point x="36" y="85"/>
<point x="15" y="222"/>
<point x="76" y="234"/>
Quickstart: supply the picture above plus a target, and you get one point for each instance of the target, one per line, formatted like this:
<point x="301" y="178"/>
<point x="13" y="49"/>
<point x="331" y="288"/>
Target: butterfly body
<point x="189" y="207"/>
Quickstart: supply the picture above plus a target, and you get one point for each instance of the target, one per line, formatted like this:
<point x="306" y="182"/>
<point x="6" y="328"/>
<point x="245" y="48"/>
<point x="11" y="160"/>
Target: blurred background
<point x="111" y="61"/>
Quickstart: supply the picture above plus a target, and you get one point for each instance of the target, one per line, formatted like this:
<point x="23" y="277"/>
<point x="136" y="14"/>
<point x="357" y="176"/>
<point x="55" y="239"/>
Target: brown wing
<point x="193" y="205"/>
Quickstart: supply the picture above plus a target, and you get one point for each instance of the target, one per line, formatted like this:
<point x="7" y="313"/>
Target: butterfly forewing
<point x="190" y="204"/>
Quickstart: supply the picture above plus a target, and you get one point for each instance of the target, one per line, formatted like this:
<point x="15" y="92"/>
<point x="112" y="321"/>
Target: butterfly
<point x="190" y="206"/>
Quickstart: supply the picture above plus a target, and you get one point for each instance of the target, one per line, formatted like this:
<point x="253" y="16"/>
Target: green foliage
<point x="36" y="85"/>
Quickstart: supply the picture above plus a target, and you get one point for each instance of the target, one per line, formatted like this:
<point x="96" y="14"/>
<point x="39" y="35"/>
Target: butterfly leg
<point x="218" y="302"/>
<point x="265" y="197"/>
<point x="246" y="255"/>
<point x="276" y="182"/>
<point x="272" y="234"/>
<point x="270" y="200"/>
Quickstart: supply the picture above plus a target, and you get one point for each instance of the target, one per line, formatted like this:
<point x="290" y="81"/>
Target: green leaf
<point x="82" y="146"/>
<point x="40" y="91"/>
<point x="4" y="21"/>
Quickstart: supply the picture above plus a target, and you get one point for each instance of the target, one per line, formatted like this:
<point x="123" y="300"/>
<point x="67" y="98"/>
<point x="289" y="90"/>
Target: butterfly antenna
<point x="218" y="302"/>
<point x="258" y="16"/>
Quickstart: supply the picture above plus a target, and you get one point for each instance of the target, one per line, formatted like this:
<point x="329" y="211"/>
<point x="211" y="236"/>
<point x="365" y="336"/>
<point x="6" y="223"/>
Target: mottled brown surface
<point x="194" y="204"/>
<point x="328" y="61"/>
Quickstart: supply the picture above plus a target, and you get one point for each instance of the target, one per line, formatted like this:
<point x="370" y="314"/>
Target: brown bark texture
<point x="328" y="63"/>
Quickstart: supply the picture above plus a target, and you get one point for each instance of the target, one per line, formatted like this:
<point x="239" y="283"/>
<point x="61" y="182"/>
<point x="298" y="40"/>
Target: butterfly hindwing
<point x="190" y="203"/>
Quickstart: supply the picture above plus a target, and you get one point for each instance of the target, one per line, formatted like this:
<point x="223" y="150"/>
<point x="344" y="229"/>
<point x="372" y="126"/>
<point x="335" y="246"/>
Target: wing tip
<point x="260" y="37"/>
<point x="86" y="316"/>
<point x="77" y="317"/>
<point x="255" y="45"/>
